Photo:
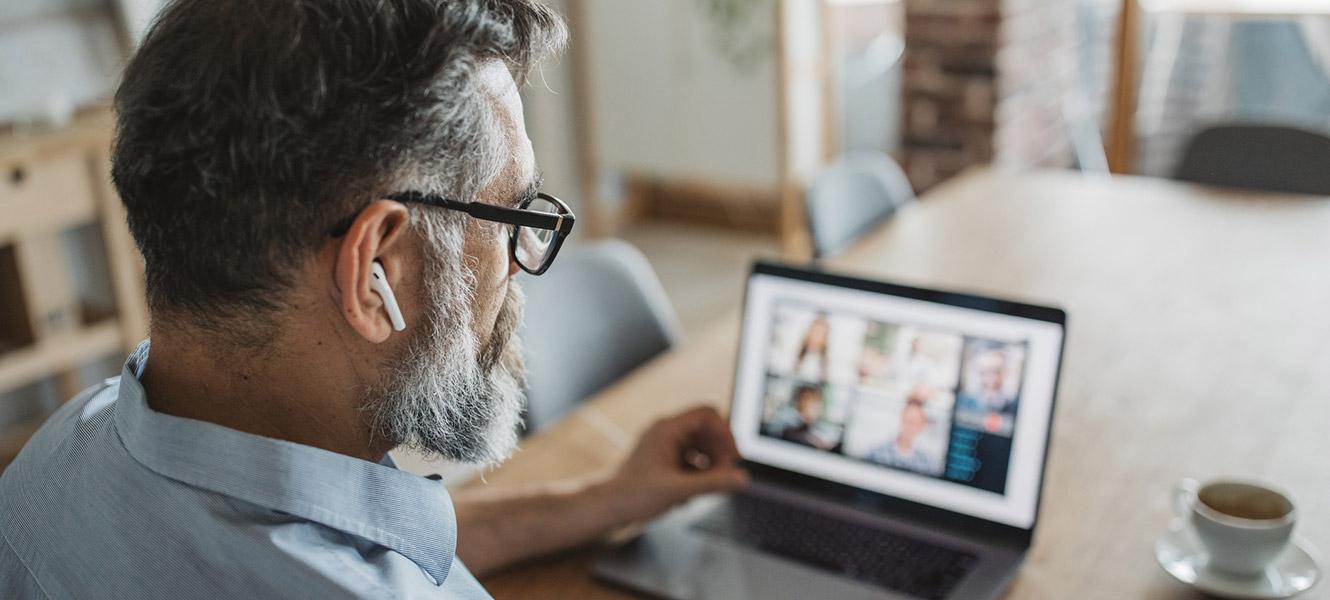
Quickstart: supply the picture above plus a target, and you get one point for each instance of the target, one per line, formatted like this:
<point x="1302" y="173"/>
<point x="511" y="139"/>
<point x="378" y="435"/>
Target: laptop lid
<point x="938" y="399"/>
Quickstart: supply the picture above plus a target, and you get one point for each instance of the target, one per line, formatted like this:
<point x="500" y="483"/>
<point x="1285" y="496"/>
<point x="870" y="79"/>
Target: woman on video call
<point x="811" y="362"/>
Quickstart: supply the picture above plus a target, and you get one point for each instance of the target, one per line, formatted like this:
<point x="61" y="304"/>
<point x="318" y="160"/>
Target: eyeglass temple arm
<point x="525" y="218"/>
<point x="489" y="212"/>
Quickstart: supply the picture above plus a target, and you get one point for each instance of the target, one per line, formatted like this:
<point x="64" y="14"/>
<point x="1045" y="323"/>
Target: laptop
<point x="897" y="439"/>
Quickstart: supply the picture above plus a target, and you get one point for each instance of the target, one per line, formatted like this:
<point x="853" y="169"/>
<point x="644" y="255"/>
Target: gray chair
<point x="1262" y="157"/>
<point x="850" y="197"/>
<point x="597" y="314"/>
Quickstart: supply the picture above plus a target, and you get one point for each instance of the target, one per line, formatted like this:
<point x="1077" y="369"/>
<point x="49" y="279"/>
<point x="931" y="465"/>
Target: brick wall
<point x="949" y="87"/>
<point x="990" y="81"/>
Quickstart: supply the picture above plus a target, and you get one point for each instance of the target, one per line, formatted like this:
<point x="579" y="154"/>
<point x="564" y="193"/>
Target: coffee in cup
<point x="1244" y="526"/>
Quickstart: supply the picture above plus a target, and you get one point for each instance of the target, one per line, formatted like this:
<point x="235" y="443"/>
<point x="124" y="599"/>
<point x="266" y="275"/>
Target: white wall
<point x="667" y="103"/>
<point x="56" y="55"/>
<point x="548" y="102"/>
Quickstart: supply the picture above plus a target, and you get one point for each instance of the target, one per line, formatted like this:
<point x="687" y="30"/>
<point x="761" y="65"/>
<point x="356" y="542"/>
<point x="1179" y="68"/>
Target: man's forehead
<point x="519" y="169"/>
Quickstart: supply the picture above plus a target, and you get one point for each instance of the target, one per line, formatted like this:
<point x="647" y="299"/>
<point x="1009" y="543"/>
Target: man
<point x="808" y="408"/>
<point x="903" y="451"/>
<point x="318" y="190"/>
<point x="923" y="367"/>
<point x="986" y="404"/>
<point x="988" y="411"/>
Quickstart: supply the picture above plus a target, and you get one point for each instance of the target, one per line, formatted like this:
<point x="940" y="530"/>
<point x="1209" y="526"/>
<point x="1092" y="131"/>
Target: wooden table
<point x="1198" y="345"/>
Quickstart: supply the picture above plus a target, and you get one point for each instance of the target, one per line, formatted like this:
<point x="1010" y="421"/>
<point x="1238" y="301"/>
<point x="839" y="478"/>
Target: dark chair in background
<point x="601" y="315"/>
<point x="850" y="197"/>
<point x="1261" y="157"/>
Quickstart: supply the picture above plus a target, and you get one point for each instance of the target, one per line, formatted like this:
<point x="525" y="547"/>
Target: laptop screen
<point x="937" y="398"/>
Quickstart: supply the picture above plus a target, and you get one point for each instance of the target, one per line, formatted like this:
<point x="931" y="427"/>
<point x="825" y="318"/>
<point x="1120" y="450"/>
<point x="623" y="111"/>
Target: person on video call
<point x="991" y="397"/>
<point x="310" y="312"/>
<point x="903" y="451"/>
<point x="808" y="407"/>
<point x="874" y="361"/>
<point x="810" y="364"/>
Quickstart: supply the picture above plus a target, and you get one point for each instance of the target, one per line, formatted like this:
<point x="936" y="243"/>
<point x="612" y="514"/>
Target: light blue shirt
<point x="111" y="499"/>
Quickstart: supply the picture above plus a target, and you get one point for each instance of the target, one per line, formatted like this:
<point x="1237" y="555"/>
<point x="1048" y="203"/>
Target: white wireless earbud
<point x="378" y="281"/>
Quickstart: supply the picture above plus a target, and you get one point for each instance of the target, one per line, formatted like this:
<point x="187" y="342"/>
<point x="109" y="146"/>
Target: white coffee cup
<point x="1243" y="525"/>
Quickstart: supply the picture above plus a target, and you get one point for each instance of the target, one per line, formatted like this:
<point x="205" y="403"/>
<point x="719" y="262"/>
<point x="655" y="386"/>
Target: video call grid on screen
<point x="906" y="397"/>
<point x="872" y="379"/>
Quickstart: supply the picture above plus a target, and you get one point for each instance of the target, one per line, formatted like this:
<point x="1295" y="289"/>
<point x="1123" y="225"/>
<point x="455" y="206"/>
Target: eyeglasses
<point x="539" y="224"/>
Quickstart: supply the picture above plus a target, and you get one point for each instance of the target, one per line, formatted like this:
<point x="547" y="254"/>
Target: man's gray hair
<point x="249" y="130"/>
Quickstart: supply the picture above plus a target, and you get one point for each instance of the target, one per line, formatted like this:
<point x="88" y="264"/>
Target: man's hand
<point x="677" y="458"/>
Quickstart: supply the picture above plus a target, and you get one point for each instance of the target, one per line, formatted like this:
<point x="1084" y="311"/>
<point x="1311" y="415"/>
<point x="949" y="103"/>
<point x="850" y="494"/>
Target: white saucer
<point x="1294" y="572"/>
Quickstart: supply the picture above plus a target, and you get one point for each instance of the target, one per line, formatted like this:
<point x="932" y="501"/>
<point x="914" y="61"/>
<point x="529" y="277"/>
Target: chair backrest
<point x="852" y="195"/>
<point x="597" y="314"/>
<point x="1262" y="157"/>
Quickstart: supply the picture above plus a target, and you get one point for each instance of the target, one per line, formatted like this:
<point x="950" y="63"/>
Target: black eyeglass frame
<point x="561" y="224"/>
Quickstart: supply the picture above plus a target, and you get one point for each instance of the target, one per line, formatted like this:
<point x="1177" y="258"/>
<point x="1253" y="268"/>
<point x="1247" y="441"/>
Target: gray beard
<point x="448" y="395"/>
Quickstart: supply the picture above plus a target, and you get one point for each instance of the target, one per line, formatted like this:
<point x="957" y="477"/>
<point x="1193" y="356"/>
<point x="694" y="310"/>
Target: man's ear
<point x="374" y="235"/>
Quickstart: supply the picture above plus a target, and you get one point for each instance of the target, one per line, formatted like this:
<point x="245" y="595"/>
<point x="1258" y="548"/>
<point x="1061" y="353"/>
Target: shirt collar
<point x="405" y="513"/>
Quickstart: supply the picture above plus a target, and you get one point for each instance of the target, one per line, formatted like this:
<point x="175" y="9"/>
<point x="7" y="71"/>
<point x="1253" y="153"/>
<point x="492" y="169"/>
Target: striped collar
<point x="410" y="515"/>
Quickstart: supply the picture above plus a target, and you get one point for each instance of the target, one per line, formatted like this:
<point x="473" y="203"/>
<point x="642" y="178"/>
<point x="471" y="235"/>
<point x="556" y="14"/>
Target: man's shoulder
<point x="46" y="491"/>
<point x="75" y="500"/>
<point x="19" y="581"/>
<point x="64" y="437"/>
<point x="81" y="516"/>
<point x="61" y="468"/>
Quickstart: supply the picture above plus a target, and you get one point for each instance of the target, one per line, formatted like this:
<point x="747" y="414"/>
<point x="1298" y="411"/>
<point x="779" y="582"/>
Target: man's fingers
<point x="719" y="445"/>
<point x="698" y="416"/>
<point x="703" y="429"/>
<point x="720" y="478"/>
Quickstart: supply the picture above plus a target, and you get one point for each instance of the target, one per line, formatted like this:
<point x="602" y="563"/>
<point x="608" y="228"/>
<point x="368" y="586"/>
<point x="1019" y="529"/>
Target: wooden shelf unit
<point x="52" y="183"/>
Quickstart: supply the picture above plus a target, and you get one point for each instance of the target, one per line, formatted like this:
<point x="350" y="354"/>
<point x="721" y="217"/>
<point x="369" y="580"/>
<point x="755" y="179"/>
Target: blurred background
<point x="699" y="131"/>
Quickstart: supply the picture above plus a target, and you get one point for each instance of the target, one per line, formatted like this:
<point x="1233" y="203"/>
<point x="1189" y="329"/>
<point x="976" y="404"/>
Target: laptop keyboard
<point x="878" y="557"/>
